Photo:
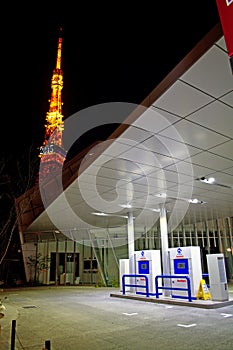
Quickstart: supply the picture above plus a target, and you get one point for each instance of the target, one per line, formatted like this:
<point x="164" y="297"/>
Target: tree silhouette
<point x="18" y="173"/>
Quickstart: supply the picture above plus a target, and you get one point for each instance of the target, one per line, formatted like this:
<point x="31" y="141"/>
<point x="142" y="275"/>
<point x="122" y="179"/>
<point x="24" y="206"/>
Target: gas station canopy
<point x="172" y="151"/>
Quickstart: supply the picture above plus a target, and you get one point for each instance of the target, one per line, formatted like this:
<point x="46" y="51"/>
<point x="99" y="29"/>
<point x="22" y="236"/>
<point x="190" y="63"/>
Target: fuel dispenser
<point x="147" y="262"/>
<point x="185" y="262"/>
<point x="217" y="277"/>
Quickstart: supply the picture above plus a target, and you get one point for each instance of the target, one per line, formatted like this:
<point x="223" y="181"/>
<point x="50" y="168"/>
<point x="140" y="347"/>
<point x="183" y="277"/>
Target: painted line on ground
<point x="186" y="325"/>
<point x="226" y="315"/>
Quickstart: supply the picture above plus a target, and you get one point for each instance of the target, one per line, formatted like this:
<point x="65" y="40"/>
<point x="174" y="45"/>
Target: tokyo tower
<point x="52" y="152"/>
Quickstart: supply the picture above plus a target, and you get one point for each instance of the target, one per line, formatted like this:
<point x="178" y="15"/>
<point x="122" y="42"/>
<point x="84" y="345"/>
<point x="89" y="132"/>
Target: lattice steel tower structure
<point x="52" y="152"/>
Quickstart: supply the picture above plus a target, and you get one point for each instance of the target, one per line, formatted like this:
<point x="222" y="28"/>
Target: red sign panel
<point x="225" y="10"/>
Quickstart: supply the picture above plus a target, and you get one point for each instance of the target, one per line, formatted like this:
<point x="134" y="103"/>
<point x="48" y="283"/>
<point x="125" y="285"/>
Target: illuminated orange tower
<point x="52" y="153"/>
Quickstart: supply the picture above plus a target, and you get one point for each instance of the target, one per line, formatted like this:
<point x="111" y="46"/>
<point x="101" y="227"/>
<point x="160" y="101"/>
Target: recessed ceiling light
<point x="161" y="195"/>
<point x="196" y="201"/>
<point x="210" y="180"/>
<point x="111" y="215"/>
<point x="100" y="214"/>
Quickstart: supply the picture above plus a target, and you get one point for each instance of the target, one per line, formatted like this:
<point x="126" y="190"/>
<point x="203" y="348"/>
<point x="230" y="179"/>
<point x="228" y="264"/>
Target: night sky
<point x="111" y="53"/>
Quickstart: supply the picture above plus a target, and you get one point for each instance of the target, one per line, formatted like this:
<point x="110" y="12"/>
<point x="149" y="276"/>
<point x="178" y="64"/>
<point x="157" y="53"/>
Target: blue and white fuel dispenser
<point x="185" y="262"/>
<point x="148" y="263"/>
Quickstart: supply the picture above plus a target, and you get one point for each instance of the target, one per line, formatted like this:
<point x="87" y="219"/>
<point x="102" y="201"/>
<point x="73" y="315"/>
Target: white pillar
<point x="131" y="242"/>
<point x="164" y="247"/>
<point x="130" y="235"/>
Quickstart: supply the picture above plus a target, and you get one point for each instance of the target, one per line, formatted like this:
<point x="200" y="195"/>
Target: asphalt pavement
<point x="86" y="317"/>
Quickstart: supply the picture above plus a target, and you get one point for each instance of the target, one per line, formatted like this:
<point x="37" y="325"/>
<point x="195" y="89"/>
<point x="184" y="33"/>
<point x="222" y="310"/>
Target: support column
<point x="131" y="242"/>
<point x="164" y="248"/>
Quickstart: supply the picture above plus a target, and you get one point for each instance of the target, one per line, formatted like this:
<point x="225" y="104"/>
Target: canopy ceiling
<point x="182" y="133"/>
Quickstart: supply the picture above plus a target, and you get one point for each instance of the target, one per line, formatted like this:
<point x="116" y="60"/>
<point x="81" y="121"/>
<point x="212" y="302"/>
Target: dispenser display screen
<point x="143" y="267"/>
<point x="181" y="266"/>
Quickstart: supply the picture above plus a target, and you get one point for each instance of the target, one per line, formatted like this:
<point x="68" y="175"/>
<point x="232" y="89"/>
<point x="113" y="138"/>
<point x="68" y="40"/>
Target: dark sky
<point x="111" y="53"/>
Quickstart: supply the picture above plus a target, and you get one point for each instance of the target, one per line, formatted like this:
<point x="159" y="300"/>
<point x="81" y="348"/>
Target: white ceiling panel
<point x="199" y="171"/>
<point x="216" y="116"/>
<point x="155" y="185"/>
<point x="170" y="176"/>
<point x="142" y="156"/>
<point x="228" y="99"/>
<point x="130" y="168"/>
<point x="102" y="159"/>
<point x="196" y="135"/>
<point x="211" y="161"/>
<point x="192" y="99"/>
<point x="135" y="134"/>
<point x="228" y="171"/>
<point x="115" y="149"/>
<point x="198" y="192"/>
<point x="135" y="187"/>
<point x="215" y="82"/>
<point x="114" y="171"/>
<point x="225" y="150"/>
<point x="155" y="120"/>
<point x="168" y="147"/>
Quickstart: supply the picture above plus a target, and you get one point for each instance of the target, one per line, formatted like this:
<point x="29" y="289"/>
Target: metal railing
<point x="157" y="287"/>
<point x="146" y="286"/>
<point x="188" y="289"/>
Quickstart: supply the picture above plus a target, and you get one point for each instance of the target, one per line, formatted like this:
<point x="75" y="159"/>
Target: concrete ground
<point x="81" y="318"/>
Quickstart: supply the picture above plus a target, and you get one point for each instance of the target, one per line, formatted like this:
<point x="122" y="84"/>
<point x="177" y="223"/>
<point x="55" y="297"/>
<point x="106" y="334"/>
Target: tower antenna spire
<point x="52" y="152"/>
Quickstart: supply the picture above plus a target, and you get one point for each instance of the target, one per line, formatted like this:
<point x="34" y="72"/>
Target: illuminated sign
<point x="225" y="10"/>
<point x="179" y="253"/>
<point x="142" y="255"/>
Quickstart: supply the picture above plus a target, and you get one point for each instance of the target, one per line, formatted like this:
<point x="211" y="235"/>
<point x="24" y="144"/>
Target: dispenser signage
<point x="179" y="253"/>
<point x="142" y="255"/>
<point x="181" y="266"/>
<point x="143" y="267"/>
